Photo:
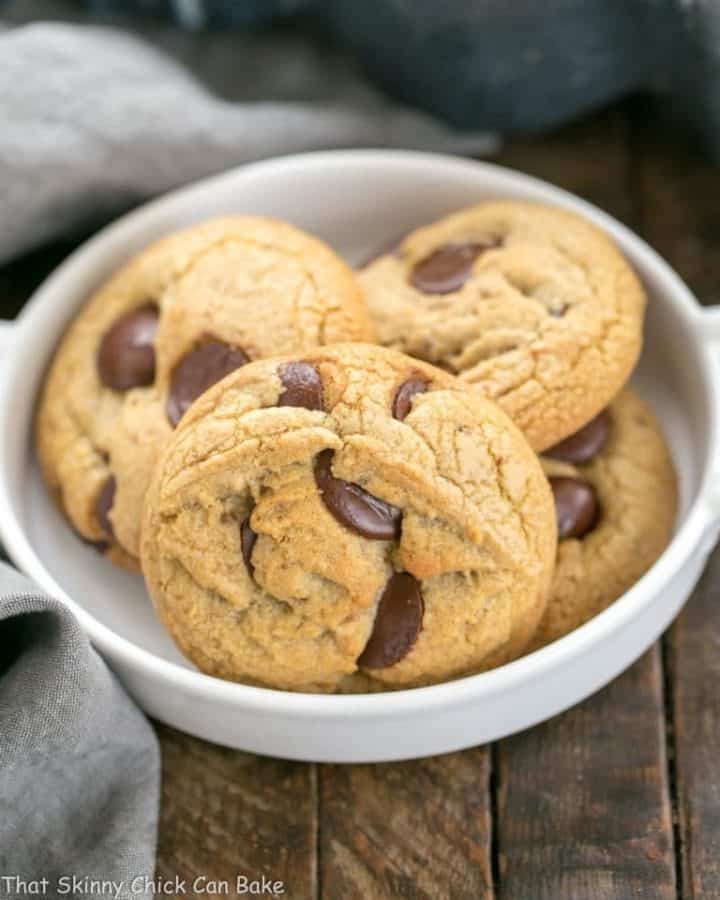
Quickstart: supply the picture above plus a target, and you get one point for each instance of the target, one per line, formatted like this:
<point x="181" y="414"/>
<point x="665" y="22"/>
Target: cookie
<point x="529" y="303"/>
<point x="615" y="495"/>
<point x="347" y="510"/>
<point x="181" y="315"/>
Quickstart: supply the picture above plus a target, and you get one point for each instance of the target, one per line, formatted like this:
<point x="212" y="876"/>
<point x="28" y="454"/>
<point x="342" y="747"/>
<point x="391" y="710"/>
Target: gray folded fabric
<point x="94" y="120"/>
<point x="511" y="65"/>
<point x="79" y="764"/>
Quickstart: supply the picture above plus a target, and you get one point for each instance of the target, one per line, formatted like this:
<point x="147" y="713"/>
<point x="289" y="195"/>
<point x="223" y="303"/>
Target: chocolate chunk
<point x="582" y="446"/>
<point x="126" y="358"/>
<point x="398" y="622"/>
<point x="576" y="506"/>
<point x="404" y="394"/>
<point x="303" y="386"/>
<point x="447" y="269"/>
<point x="199" y="370"/>
<point x="247" y="542"/>
<point x="354" y="507"/>
<point x="103" y="505"/>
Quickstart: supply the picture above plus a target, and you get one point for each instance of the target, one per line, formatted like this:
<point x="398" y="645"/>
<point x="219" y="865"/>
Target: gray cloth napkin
<point x="95" y="120"/>
<point x="79" y="764"/>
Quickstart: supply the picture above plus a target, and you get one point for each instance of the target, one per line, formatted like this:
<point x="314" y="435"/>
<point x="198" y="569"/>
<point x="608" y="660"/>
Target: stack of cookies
<point x="339" y="481"/>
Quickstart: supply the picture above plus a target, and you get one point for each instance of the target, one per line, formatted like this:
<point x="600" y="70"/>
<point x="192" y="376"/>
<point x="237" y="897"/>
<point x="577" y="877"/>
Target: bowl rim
<point x="697" y="520"/>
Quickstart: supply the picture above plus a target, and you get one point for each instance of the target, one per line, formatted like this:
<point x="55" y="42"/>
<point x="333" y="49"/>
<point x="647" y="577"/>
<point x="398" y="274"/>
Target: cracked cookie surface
<point x="529" y="303"/>
<point x="616" y="497"/>
<point x="175" y="319"/>
<point x="349" y="513"/>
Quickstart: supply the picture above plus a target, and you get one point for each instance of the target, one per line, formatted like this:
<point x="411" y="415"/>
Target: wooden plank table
<point x="617" y="798"/>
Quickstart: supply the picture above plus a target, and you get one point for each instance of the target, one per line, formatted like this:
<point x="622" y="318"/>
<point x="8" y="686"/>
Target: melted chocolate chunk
<point x="247" y="542"/>
<point x="402" y="404"/>
<point x="103" y="504"/>
<point x="354" y="507"/>
<point x="398" y="622"/>
<point x="576" y="506"/>
<point x="126" y="358"/>
<point x="199" y="370"/>
<point x="447" y="269"/>
<point x="586" y="443"/>
<point x="303" y="386"/>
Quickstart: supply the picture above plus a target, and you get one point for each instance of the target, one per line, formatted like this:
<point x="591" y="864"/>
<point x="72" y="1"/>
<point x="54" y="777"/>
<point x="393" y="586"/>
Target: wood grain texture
<point x="694" y="657"/>
<point x="678" y="201"/>
<point x="413" y="830"/>
<point x="226" y="813"/>
<point x="590" y="158"/>
<point x="583" y="800"/>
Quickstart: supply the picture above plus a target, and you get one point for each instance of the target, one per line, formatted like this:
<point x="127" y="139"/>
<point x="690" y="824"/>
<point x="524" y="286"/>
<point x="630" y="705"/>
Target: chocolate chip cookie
<point x="615" y="496"/>
<point x="187" y="311"/>
<point x="347" y="510"/>
<point x="529" y="303"/>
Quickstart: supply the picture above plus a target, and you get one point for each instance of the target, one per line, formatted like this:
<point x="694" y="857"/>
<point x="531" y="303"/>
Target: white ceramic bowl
<point x="356" y="200"/>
